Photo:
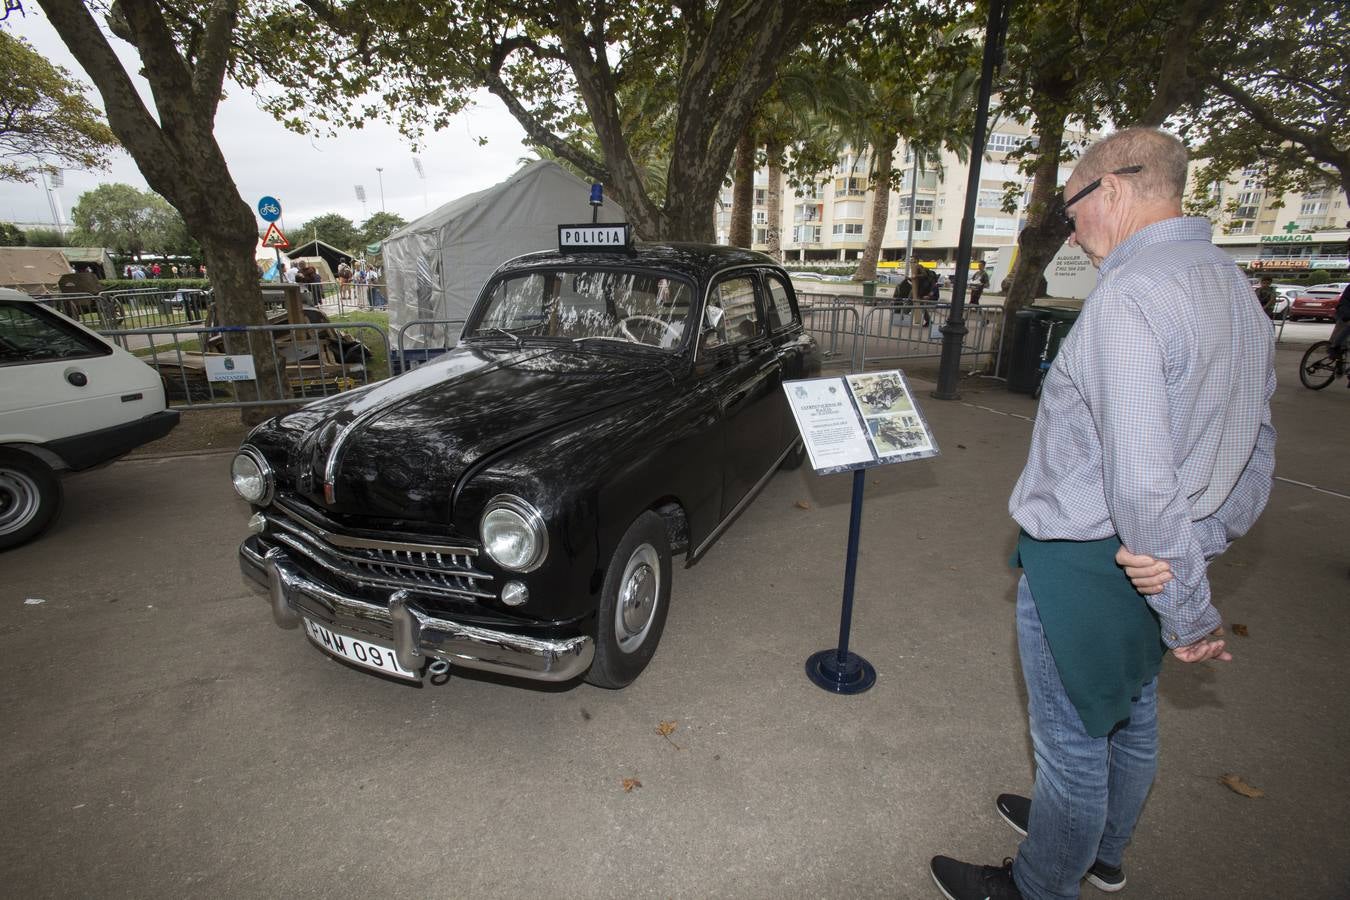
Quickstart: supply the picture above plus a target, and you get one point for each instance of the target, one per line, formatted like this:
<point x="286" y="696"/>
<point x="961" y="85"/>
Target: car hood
<point x="396" y="450"/>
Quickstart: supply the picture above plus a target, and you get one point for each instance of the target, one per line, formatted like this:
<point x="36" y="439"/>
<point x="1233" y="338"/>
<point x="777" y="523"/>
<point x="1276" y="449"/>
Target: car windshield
<point x="640" y="308"/>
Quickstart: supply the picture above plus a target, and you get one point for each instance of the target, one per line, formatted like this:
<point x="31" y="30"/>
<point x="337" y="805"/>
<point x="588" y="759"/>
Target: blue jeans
<point x="1089" y="791"/>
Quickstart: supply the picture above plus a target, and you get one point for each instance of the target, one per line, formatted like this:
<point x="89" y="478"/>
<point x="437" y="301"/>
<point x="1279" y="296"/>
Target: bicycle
<point x="1319" y="368"/>
<point x="1044" y="368"/>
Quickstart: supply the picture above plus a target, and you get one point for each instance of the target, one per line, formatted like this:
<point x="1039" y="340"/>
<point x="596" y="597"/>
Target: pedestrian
<point x="138" y="273"/>
<point x="1266" y="295"/>
<point x="201" y="270"/>
<point x="344" y="275"/>
<point x="978" y="282"/>
<point x="1152" y="450"/>
<point x="926" y="291"/>
<point x="310" y="277"/>
<point x="361" y="278"/>
<point x="154" y="270"/>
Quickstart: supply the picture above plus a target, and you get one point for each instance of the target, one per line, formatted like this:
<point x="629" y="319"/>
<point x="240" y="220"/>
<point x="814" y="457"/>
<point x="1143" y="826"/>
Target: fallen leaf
<point x="33" y="601"/>
<point x="665" y="729"/>
<point x="629" y="784"/>
<point x="803" y="504"/>
<point x="960" y="446"/>
<point x="1239" y="630"/>
<point x="1235" y="784"/>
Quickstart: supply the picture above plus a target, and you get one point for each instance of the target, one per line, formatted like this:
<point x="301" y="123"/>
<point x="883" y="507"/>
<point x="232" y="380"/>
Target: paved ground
<point x="163" y="739"/>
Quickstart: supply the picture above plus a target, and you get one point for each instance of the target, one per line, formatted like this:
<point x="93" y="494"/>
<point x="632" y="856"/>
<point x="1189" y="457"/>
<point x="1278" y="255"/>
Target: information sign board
<point x="858" y="421"/>
<point x="616" y="236"/>
<point x="230" y="368"/>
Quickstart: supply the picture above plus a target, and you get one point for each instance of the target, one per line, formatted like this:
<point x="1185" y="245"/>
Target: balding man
<point x="1152" y="450"/>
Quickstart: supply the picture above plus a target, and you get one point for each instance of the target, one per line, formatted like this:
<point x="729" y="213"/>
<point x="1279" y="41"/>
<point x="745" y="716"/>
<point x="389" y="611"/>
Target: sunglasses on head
<point x="1065" y="204"/>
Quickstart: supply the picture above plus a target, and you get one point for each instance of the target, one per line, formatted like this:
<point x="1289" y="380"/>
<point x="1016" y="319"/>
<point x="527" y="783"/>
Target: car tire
<point x="633" y="604"/>
<point x="30" y="498"/>
<point x="796" y="456"/>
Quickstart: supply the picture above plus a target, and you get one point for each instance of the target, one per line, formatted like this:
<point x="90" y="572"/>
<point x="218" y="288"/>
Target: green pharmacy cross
<point x="1291" y="228"/>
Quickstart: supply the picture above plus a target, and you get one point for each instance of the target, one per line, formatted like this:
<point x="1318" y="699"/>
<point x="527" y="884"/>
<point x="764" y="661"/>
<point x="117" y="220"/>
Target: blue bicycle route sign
<point x="269" y="208"/>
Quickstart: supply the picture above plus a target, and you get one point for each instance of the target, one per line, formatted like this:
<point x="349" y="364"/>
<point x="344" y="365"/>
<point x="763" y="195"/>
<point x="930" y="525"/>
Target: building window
<point x="927" y="180"/>
<point x="1000" y="142"/>
<point x="1245" y="212"/>
<point x="1313" y="208"/>
<point x="849" y="209"/>
<point x="761" y="235"/>
<point x="848" y="228"/>
<point x="806" y="234"/>
<point x="761" y="217"/>
<point x="761" y="196"/>
<point x="991" y="225"/>
<point x="850" y="187"/>
<point x="990" y="199"/>
<point x="924" y="226"/>
<point x="923" y="206"/>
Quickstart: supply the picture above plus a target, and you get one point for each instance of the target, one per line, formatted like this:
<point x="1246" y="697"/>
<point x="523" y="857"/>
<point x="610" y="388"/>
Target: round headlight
<point x="513" y="534"/>
<point x="252" y="477"/>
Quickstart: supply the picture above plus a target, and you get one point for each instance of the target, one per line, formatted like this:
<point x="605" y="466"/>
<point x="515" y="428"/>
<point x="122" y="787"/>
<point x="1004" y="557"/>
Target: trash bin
<point x="869" y="289"/>
<point x="1038" y="331"/>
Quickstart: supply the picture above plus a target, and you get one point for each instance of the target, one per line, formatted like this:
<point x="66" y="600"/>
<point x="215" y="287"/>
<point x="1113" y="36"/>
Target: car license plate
<point x="363" y="653"/>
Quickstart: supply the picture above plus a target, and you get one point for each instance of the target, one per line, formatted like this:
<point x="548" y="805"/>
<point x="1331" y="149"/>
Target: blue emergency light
<point x="597" y="194"/>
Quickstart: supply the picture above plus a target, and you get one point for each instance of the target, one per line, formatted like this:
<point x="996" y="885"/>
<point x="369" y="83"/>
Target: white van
<point x="69" y="400"/>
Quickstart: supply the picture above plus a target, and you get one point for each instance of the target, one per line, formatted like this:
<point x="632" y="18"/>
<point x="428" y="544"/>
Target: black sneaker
<point x="967" y="881"/>
<point x="1016" y="810"/>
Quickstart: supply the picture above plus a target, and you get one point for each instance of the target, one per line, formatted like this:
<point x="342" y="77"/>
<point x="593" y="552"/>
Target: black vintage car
<point x="516" y="505"/>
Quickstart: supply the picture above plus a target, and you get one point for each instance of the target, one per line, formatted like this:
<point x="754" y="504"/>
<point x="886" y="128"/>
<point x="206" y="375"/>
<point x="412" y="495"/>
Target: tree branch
<point x="208" y="75"/>
<point x="1175" y="86"/>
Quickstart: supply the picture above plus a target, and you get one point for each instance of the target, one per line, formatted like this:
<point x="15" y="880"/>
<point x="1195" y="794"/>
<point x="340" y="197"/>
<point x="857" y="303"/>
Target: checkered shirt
<point x="1154" y="421"/>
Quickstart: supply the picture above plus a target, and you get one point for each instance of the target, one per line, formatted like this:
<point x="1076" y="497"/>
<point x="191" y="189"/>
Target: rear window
<point x="29" y="333"/>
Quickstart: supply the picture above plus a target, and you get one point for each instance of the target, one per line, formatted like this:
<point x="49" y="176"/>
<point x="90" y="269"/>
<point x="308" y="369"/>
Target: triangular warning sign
<point x="274" y="238"/>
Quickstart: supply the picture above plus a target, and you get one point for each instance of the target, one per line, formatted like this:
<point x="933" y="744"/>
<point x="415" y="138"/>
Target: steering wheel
<point x="675" y="334"/>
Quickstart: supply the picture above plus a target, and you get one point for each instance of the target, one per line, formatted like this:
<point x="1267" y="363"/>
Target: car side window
<point x="731" y="315"/>
<point x="780" y="307"/>
<point x="29" y="335"/>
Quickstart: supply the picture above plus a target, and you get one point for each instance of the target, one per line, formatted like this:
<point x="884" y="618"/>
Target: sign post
<point x="854" y="423"/>
<point x="269" y="210"/>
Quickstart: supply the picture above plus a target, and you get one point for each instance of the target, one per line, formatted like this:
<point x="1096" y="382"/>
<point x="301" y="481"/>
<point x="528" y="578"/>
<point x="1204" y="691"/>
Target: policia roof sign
<point x="617" y="237"/>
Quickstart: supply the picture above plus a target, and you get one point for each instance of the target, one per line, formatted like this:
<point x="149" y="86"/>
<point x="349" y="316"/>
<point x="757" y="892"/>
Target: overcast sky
<point x="309" y="176"/>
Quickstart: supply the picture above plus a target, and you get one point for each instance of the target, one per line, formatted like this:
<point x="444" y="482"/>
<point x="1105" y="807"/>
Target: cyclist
<point x="1341" y="332"/>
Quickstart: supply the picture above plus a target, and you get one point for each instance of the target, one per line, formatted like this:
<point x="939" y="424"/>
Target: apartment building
<point x="827" y="221"/>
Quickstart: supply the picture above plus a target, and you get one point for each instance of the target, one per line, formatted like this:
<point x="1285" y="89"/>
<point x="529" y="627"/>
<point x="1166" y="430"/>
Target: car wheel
<point x="795" y="457"/>
<point x="30" y="498"/>
<point x="633" y="604"/>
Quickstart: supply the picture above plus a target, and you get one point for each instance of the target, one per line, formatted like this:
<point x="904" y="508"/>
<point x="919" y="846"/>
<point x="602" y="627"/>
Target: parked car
<point x="517" y="505"/>
<point x="69" y="400"/>
<point x="1317" y="302"/>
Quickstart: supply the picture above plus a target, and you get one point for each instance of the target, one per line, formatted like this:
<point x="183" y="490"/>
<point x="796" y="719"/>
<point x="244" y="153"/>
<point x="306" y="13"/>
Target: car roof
<point x="698" y="261"/>
<point x="11" y="294"/>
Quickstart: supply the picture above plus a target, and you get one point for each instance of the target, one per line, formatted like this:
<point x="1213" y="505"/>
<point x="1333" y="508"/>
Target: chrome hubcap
<point x="19" y="500"/>
<point x="639" y="594"/>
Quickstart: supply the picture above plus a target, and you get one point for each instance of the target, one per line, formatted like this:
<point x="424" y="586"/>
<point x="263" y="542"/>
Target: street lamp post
<point x="379" y="170"/>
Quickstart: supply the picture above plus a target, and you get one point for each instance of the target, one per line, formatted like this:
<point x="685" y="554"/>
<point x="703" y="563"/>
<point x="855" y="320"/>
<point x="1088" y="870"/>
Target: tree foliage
<point x="1271" y="92"/>
<point x="563" y="69"/>
<point x="12" y="235"/>
<point x="45" y="121"/>
<point x="379" y="226"/>
<point x="46" y="237"/>
<point x="334" y="229"/>
<point x="129" y="221"/>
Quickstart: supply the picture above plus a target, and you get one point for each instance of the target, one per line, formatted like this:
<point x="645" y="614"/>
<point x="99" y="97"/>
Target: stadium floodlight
<point x="58" y="178"/>
<point x="361" y="192"/>
<point x="421" y="173"/>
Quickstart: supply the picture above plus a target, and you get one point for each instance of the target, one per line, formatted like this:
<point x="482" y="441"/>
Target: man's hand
<point x="1202" y="650"/>
<point x="1148" y="575"/>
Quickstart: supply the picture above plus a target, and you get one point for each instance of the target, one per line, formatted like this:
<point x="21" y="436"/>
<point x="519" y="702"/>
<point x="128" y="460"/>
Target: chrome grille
<point x="435" y="569"/>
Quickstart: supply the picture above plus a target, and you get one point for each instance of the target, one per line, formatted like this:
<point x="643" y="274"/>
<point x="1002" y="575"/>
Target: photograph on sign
<point x="230" y="368"/>
<point x="895" y="424"/>
<point x="829" y="424"/>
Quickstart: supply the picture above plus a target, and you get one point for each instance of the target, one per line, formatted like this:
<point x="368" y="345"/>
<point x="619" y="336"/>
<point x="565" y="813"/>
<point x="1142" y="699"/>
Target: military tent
<point x="436" y="265"/>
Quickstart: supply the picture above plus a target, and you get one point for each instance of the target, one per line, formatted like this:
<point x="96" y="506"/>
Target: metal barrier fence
<point x="855" y="332"/>
<point x="411" y="359"/>
<point x="311" y="360"/>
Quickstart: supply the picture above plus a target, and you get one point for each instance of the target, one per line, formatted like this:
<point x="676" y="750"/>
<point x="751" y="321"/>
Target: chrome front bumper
<point x="416" y="636"/>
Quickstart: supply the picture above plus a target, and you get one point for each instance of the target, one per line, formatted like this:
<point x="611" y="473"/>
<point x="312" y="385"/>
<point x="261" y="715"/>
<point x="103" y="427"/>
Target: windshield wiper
<point x="519" y="341"/>
<point x="601" y="337"/>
